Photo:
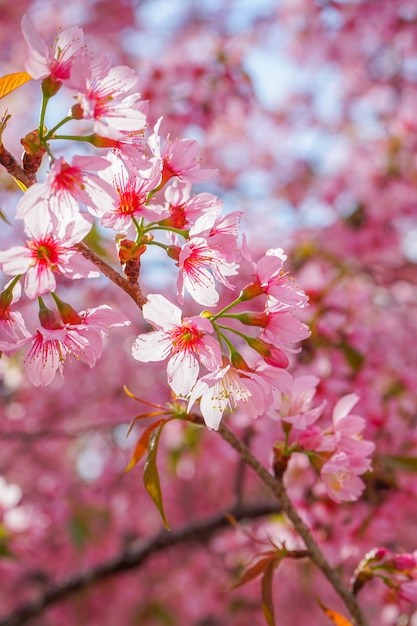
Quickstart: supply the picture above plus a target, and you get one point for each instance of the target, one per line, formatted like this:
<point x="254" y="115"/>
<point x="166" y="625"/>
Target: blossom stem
<point x="171" y="229"/>
<point x="316" y="556"/>
<point x="44" y="105"/>
<point x="50" y="134"/>
<point x="226" y="308"/>
<point x="86" y="138"/>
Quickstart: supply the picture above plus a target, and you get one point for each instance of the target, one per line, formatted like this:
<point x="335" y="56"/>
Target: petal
<point x="161" y="313"/>
<point x="154" y="346"/>
<point x="182" y="370"/>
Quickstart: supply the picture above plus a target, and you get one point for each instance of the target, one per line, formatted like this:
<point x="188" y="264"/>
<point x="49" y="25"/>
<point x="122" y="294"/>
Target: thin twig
<point x="132" y="558"/>
<point x="316" y="555"/>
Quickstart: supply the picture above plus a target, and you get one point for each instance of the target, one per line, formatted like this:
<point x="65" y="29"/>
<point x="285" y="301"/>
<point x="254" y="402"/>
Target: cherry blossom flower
<point x="408" y="591"/>
<point x="347" y="434"/>
<point x="273" y="280"/>
<point x="66" y="185"/>
<point x="48" y="252"/>
<point x="199" y="267"/>
<point x="107" y="95"/>
<point x="93" y="324"/>
<point x="57" y="340"/>
<point x="284" y="330"/>
<point x="340" y="479"/>
<point x="185" y="341"/>
<point x="296" y="407"/>
<point x="131" y="193"/>
<point x="55" y="61"/>
<point x="184" y="209"/>
<point x="13" y="331"/>
<point x="178" y="158"/>
<point x="229" y="388"/>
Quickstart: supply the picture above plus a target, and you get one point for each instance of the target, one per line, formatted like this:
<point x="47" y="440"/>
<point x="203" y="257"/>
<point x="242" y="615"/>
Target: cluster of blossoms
<point x="339" y="453"/>
<point x="398" y="571"/>
<point x="140" y="189"/>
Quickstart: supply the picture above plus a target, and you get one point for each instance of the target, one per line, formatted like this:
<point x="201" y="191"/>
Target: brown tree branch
<point x="315" y="554"/>
<point x="133" y="289"/>
<point x="133" y="557"/>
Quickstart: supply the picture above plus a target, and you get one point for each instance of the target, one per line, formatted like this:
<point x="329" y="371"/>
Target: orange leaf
<point x="142" y="444"/>
<point x="334" y="616"/>
<point x="10" y="82"/>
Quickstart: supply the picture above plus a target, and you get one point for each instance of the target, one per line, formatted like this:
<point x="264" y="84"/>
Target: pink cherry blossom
<point x="272" y="280"/>
<point x="347" y="432"/>
<point x="49" y="252"/>
<point x="296" y="407"/>
<point x="185" y="208"/>
<point x="55" y="341"/>
<point x="178" y="158"/>
<point x="130" y="196"/>
<point x="284" y="330"/>
<point x="48" y="352"/>
<point x="66" y="185"/>
<point x="228" y="389"/>
<point x="186" y="342"/>
<point x="408" y="591"/>
<point x="13" y="331"/>
<point x="108" y="96"/>
<point x="340" y="479"/>
<point x="55" y="61"/>
<point x="199" y="267"/>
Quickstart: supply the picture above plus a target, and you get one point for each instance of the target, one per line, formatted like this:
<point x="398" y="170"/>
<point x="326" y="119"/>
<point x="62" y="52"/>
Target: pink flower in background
<point x="408" y="591"/>
<point x="49" y="252"/>
<point x="186" y="342"/>
<point x="347" y="433"/>
<point x="55" y="61"/>
<point x="296" y="407"/>
<point x="340" y="479"/>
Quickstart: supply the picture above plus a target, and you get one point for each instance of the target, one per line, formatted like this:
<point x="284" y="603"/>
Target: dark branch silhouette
<point x="135" y="556"/>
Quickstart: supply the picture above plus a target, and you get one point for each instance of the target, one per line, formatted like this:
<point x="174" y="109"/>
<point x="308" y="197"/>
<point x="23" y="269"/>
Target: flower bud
<point x="50" y="86"/>
<point x="67" y="313"/>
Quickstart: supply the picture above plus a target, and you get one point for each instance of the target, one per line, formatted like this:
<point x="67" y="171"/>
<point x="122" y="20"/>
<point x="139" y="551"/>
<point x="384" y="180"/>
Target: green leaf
<point x="266" y="587"/>
<point x="150" y="473"/>
<point x="405" y="463"/>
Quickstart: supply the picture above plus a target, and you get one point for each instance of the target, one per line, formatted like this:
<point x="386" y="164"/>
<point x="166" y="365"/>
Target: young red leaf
<point x="256" y="570"/>
<point x="334" y="616"/>
<point x="10" y="82"/>
<point x="266" y="587"/>
<point x="150" y="473"/>
<point x="143" y="444"/>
